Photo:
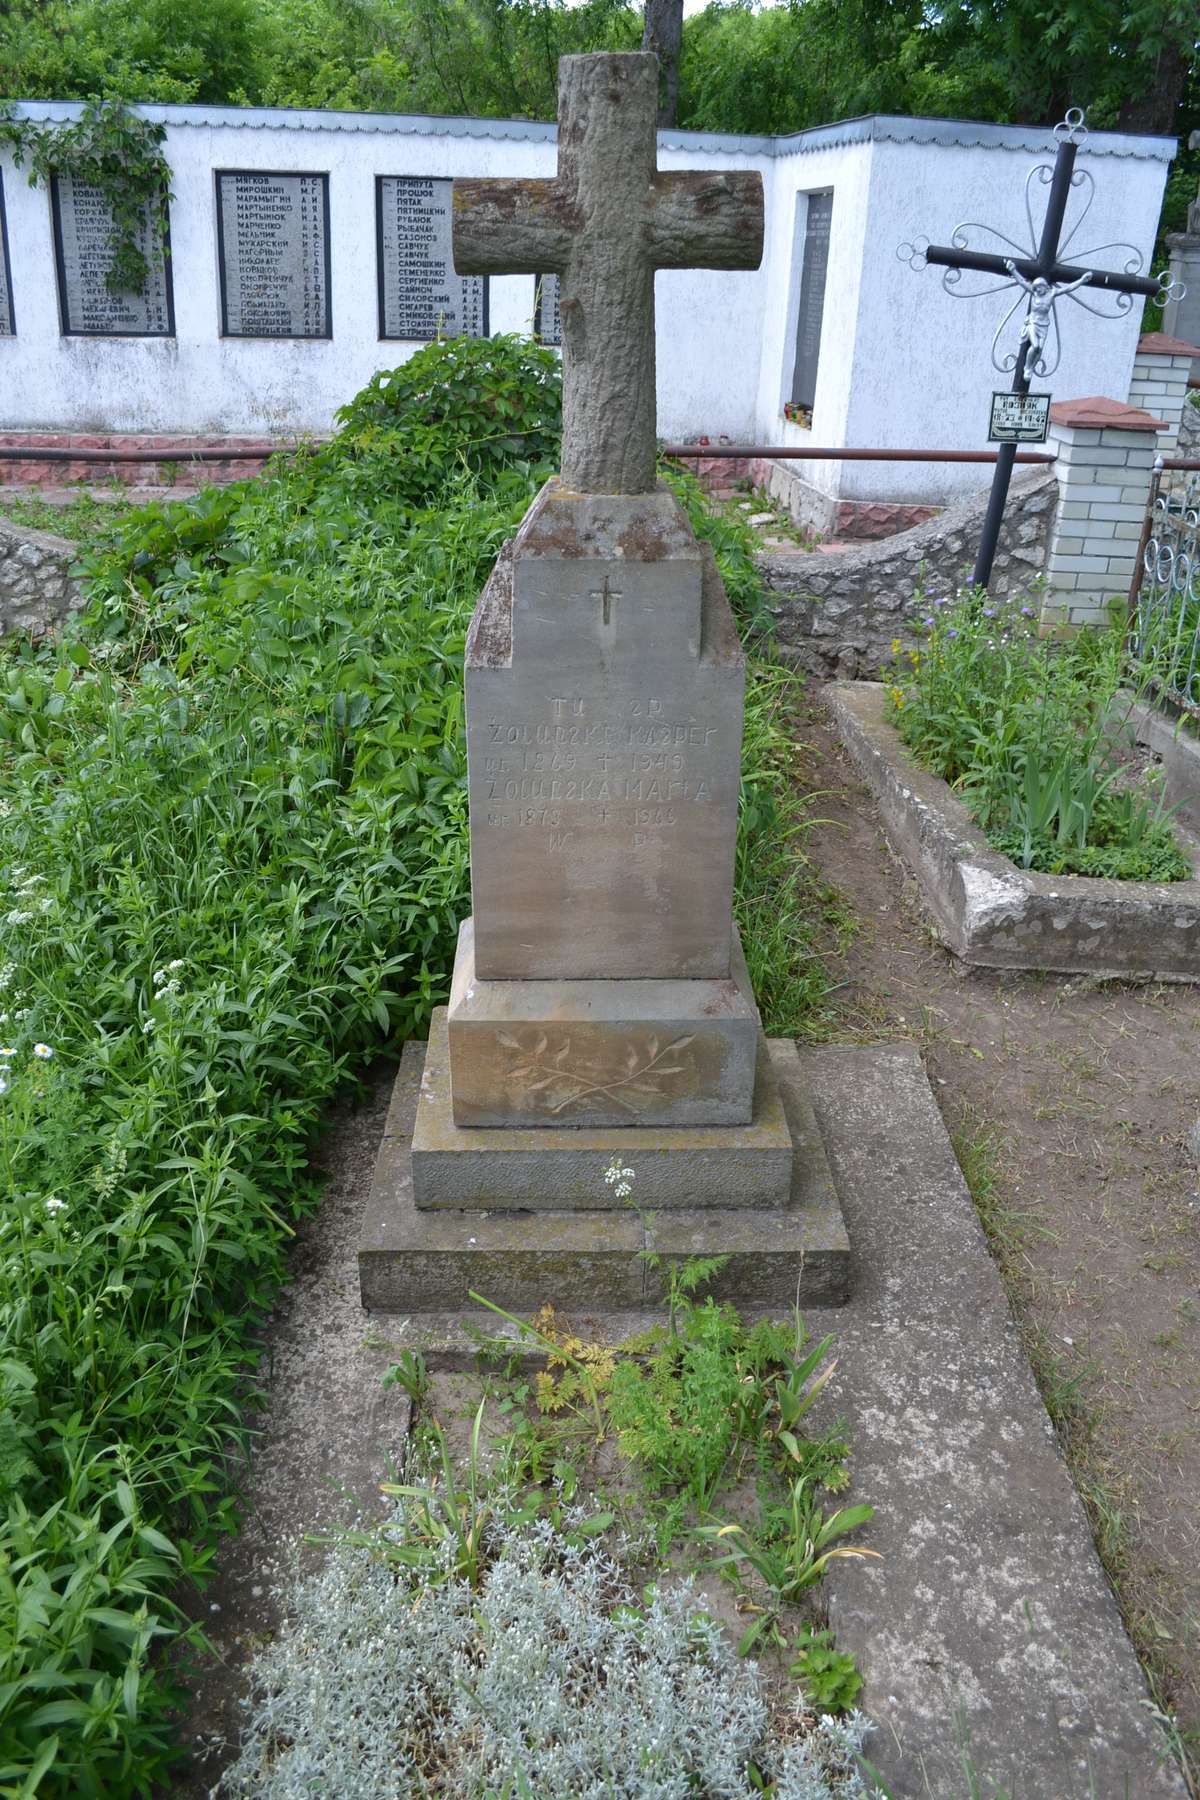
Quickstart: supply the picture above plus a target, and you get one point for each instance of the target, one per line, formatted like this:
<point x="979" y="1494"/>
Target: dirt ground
<point x="1069" y="1102"/>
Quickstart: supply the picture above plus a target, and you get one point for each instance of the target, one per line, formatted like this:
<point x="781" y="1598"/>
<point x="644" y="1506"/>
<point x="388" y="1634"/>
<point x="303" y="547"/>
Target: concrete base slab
<point x="559" y="1168"/>
<point x="989" y="1617"/>
<point x="425" y="1261"/>
<point x="989" y="912"/>
<point x="596" y="1054"/>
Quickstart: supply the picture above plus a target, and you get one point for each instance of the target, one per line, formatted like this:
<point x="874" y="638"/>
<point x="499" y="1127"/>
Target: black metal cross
<point x="1044" y="280"/>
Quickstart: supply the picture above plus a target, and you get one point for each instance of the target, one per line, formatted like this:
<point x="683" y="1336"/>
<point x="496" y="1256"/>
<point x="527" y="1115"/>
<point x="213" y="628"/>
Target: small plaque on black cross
<point x="83" y="254"/>
<point x="420" y="295"/>
<point x="1019" y="418"/>
<point x="273" y="254"/>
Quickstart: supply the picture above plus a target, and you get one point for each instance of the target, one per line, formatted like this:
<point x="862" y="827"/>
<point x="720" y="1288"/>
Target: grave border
<point x="272" y="337"/>
<point x="388" y="337"/>
<point x="986" y="910"/>
<point x="65" y="328"/>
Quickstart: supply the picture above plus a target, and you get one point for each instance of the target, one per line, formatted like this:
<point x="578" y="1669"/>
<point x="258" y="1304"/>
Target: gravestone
<point x="421" y="297"/>
<point x="601" y="1006"/>
<point x="810" y="314"/>
<point x="273" y="254"/>
<point x="7" y="321"/>
<point x="83" y="254"/>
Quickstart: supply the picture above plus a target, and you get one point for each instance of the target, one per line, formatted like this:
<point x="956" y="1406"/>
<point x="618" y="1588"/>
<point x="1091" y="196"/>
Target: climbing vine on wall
<point x="115" y="150"/>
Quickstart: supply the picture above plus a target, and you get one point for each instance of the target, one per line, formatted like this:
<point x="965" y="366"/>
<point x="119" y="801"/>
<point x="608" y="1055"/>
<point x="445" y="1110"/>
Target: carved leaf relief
<point x="629" y="1076"/>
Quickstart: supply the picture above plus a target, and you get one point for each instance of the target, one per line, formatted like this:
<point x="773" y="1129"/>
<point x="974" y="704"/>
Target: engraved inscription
<point x="421" y="296"/>
<point x="545" y="1074"/>
<point x="83" y="242"/>
<point x="273" y="231"/>
<point x="547" y="320"/>
<point x="634" y="770"/>
<point x="7" y="326"/>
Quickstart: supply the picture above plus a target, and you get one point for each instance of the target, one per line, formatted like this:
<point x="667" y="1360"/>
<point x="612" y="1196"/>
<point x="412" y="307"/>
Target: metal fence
<point x="1165" y="613"/>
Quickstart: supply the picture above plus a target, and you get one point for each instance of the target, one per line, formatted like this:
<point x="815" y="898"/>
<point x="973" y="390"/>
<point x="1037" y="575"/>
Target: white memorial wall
<point x="308" y="249"/>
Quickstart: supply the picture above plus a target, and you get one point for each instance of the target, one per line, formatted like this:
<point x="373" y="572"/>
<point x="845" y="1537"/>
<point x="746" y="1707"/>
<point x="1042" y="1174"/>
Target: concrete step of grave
<point x="561" y="1167"/>
<point x="414" y="1260"/>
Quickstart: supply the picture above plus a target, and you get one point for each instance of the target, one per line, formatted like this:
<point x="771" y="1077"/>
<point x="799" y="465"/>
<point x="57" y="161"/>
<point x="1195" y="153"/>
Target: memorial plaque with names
<point x="1019" y="418"/>
<point x="547" y="321"/>
<point x="420" y="295"/>
<point x="812" y="299"/>
<point x="83" y="255"/>
<point x="8" y="326"/>
<point x="273" y="254"/>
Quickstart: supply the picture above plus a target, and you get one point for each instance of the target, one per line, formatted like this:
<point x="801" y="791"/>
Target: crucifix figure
<point x="1041" y="280"/>
<point x="1042" y="296"/>
<point x="606" y="222"/>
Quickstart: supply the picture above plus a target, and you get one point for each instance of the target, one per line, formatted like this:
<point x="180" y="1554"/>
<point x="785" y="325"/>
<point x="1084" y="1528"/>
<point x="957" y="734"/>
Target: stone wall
<point x="837" y="613"/>
<point x="36" y="586"/>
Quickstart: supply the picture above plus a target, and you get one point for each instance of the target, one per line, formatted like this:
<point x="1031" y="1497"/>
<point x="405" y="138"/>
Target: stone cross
<point x="604" y="225"/>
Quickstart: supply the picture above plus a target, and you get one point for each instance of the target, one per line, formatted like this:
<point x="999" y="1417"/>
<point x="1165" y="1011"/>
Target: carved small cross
<point x="606" y="595"/>
<point x="606" y="222"/>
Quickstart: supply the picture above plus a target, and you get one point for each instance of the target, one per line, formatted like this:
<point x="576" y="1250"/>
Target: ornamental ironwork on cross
<point x="1041" y="277"/>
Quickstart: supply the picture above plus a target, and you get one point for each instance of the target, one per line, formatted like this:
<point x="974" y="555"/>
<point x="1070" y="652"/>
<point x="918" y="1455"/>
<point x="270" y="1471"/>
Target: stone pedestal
<point x="601" y="1009"/>
<point x="580" y="1054"/>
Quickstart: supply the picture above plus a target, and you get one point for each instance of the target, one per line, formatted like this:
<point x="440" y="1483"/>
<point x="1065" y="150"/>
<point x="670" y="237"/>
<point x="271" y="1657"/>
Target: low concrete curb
<point x="989" y="912"/>
<point x="989" y="1616"/>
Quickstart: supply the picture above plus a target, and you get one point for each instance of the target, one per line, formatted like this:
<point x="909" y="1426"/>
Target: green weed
<point x="1024" y="728"/>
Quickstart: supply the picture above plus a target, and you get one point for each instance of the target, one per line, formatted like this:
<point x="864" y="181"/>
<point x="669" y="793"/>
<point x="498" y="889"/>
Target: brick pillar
<point x="1104" y="458"/>
<point x="1159" y="382"/>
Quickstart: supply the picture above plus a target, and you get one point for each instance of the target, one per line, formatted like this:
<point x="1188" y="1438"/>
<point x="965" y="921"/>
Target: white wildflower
<point x="43" y="1051"/>
<point x="55" y="1205"/>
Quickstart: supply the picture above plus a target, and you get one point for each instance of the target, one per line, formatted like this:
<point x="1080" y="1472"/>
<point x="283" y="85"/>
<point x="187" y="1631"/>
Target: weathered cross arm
<point x="702" y="221"/>
<point x="519" y="226"/>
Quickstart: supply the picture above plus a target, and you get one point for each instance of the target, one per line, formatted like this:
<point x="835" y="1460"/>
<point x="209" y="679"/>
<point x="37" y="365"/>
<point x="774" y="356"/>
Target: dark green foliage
<point x="1031" y="732"/>
<point x="829" y="1677"/>
<point x="116" y="151"/>
<point x="481" y="404"/>
<point x="233" y="852"/>
<point x="234" y="858"/>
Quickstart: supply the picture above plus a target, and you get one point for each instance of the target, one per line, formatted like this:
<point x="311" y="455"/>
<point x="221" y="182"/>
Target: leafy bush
<point x="233" y="855"/>
<point x="1028" y="730"/>
<point x="232" y="839"/>
<point x="551" y="1678"/>
<point x="478" y="403"/>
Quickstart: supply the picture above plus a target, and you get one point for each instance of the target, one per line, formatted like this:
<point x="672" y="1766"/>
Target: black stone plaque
<point x="273" y="254"/>
<point x="8" y="325"/>
<point x="420" y="296"/>
<point x="83" y="255"/>
<point x="812" y="299"/>
<point x="547" y="322"/>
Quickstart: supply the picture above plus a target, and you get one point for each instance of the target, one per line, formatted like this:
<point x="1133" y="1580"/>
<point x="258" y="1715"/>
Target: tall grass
<point x="232" y="863"/>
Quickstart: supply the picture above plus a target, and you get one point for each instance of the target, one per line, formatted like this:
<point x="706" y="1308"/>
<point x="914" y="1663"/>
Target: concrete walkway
<point x="990" y="1616"/>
